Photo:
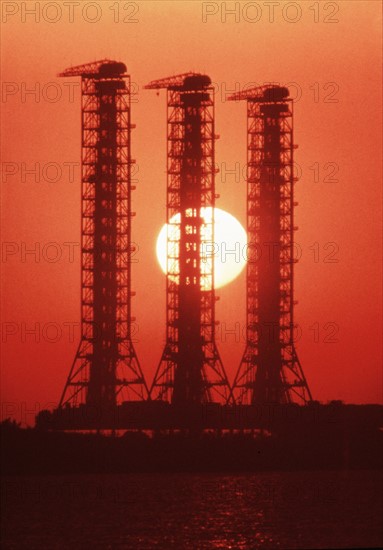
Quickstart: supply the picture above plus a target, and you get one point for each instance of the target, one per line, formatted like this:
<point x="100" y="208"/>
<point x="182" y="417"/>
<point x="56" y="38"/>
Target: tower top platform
<point x="103" y="69"/>
<point x="262" y="94"/>
<point x="185" y="81"/>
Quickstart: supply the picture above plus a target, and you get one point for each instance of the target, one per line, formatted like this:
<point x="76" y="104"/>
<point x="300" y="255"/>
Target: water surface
<point x="194" y="511"/>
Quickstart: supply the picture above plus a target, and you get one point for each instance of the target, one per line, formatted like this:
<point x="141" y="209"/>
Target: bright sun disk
<point x="229" y="248"/>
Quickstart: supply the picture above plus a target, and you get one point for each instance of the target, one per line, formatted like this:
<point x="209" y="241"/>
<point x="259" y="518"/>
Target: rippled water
<point x="189" y="511"/>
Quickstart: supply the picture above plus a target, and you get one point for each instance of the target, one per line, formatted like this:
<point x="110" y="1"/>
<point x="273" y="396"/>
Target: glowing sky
<point x="334" y="71"/>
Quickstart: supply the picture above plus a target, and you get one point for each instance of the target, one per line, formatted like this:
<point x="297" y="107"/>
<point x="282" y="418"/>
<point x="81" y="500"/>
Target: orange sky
<point x="322" y="61"/>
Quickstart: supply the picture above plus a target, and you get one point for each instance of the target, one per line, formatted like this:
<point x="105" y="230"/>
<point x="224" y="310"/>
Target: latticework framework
<point x="105" y="370"/>
<point x="270" y="370"/>
<point x="190" y="370"/>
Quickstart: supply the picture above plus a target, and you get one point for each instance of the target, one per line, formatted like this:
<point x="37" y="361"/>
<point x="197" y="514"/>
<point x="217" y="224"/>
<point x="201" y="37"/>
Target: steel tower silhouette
<point x="270" y="370"/>
<point x="105" y="369"/>
<point x="190" y="370"/>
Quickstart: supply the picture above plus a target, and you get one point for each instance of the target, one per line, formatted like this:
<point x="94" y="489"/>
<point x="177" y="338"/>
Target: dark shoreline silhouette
<point x="354" y="441"/>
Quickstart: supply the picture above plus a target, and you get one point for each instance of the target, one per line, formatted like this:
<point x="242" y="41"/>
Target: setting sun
<point x="228" y="249"/>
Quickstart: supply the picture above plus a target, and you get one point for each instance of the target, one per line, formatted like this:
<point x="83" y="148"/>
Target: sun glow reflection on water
<point x="194" y="511"/>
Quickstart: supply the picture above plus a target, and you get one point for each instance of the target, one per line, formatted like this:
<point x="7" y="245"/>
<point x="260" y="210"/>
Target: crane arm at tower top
<point x="102" y="68"/>
<point x="187" y="81"/>
<point x="262" y="94"/>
